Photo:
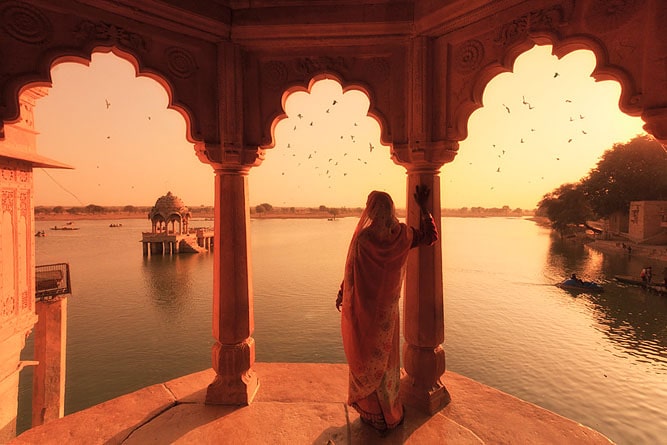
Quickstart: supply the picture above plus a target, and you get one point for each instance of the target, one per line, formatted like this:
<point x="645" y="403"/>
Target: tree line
<point x="632" y="171"/>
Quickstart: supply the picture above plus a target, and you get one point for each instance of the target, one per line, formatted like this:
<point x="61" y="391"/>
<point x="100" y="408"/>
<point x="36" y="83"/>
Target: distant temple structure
<point x="170" y="230"/>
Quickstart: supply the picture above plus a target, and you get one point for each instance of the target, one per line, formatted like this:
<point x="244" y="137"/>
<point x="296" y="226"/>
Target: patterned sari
<point x="370" y="325"/>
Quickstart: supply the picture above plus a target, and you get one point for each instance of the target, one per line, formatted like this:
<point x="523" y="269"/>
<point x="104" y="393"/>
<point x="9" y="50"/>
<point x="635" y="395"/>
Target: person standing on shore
<point x="369" y="295"/>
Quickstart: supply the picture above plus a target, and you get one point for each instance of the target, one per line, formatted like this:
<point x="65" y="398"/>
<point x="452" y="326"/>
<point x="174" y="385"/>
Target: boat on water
<point x="576" y="284"/>
<point x="660" y="288"/>
<point x="64" y="228"/>
<point x="629" y="279"/>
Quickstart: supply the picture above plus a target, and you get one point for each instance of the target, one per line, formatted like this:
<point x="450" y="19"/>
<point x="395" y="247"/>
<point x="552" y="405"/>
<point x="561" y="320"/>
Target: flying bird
<point x="569" y="140"/>
<point x="580" y="116"/>
<point x="507" y="108"/>
<point x="523" y="100"/>
<point x="583" y="132"/>
<point x="568" y="101"/>
<point x="530" y="107"/>
<point x="370" y="146"/>
<point x="299" y="115"/>
<point x="556" y="75"/>
<point x="498" y="171"/>
<point x="327" y="110"/>
<point x="311" y="123"/>
<point x="521" y="142"/>
<point x="334" y="102"/>
<point x="108" y="103"/>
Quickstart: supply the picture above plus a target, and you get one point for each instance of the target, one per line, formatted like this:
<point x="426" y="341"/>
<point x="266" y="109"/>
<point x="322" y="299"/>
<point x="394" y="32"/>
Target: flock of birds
<point x="501" y="151"/>
<point x="335" y="157"/>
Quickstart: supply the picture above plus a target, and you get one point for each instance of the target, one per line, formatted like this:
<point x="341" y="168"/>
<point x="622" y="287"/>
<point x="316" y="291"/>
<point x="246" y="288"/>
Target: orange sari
<point x="370" y="321"/>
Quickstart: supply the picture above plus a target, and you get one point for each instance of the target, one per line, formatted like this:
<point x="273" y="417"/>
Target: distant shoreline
<point x="254" y="215"/>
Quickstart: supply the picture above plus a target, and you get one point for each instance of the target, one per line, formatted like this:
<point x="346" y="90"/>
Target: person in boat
<point x="368" y="297"/>
<point x="575" y="278"/>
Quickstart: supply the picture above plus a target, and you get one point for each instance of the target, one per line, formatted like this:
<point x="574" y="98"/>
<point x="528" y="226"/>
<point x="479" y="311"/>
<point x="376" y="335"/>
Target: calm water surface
<point x="598" y="359"/>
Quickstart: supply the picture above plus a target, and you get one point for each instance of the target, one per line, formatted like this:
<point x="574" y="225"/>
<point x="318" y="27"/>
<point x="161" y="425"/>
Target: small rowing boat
<point x="576" y="284"/>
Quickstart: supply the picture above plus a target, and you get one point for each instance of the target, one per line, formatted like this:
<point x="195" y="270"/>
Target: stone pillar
<point x="424" y="328"/>
<point x="48" y="383"/>
<point x="144" y="247"/>
<point x="233" y="323"/>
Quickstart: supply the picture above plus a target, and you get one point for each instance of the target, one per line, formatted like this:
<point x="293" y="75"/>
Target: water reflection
<point x="168" y="280"/>
<point x="632" y="318"/>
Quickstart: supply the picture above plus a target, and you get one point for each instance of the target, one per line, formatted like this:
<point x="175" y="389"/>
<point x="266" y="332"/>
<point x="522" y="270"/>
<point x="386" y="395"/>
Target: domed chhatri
<point x="169" y="209"/>
<point x="170" y="229"/>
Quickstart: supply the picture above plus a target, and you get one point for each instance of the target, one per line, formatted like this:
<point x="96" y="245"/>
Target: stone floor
<point x="305" y="404"/>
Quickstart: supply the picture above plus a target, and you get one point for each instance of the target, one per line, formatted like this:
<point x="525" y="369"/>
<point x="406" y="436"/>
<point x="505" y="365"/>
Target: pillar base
<point x="233" y="390"/>
<point x="428" y="400"/>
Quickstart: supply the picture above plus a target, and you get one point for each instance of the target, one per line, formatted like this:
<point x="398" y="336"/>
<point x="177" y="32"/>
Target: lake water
<point x="598" y="359"/>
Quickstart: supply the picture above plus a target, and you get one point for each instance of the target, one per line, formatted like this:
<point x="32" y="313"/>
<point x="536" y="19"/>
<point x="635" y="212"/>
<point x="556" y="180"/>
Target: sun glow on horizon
<point x="536" y="130"/>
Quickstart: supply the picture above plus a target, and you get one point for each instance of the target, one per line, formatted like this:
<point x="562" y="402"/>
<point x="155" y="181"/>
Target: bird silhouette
<point x="569" y="140"/>
<point x="149" y="118"/>
<point x="580" y="116"/>
<point x="370" y="146"/>
<point x="355" y="124"/>
<point x="334" y="102"/>
<point x="568" y="101"/>
<point x="532" y="129"/>
<point x="310" y="156"/>
<point x="498" y="171"/>
<point x="522" y="140"/>
<point x="583" y="132"/>
<point x="299" y="115"/>
<point x="530" y="107"/>
<point x="556" y="75"/>
<point x="571" y="119"/>
<point x="289" y="145"/>
<point x="294" y="128"/>
<point x="507" y="108"/>
<point x="106" y="101"/>
<point x="311" y="123"/>
<point x="523" y="100"/>
<point x="327" y="110"/>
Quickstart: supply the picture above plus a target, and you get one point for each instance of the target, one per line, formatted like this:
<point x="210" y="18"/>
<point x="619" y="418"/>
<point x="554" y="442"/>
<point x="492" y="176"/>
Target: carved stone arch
<point x="364" y="88"/>
<point x="275" y="78"/>
<point x="619" y="46"/>
<point x="33" y="39"/>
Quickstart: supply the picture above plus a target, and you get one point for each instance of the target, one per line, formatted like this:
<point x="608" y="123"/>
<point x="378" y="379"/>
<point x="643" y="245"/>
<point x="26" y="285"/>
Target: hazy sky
<point x="135" y="150"/>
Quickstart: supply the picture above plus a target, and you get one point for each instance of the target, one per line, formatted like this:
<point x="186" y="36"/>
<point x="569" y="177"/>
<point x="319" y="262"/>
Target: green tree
<point x="566" y="207"/>
<point x="634" y="171"/>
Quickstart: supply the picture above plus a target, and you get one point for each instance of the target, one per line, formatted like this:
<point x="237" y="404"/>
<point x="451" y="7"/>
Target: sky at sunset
<point x="536" y="131"/>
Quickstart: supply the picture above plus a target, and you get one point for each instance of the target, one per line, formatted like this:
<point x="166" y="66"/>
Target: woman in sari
<point x="369" y="295"/>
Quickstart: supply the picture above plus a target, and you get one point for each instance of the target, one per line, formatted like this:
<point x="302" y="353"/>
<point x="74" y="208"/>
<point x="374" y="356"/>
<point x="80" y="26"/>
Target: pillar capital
<point x="656" y="124"/>
<point x="229" y="157"/>
<point x="426" y="157"/>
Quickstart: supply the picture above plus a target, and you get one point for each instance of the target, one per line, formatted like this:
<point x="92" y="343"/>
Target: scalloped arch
<point x="43" y="79"/>
<point x="629" y="101"/>
<point x="373" y="111"/>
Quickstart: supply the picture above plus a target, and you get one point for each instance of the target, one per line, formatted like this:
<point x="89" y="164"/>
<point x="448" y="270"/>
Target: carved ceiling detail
<point x="608" y="15"/>
<point x="25" y="23"/>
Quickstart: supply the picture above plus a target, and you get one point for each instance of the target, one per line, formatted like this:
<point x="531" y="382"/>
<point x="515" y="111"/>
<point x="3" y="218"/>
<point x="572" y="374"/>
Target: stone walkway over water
<point x="305" y="404"/>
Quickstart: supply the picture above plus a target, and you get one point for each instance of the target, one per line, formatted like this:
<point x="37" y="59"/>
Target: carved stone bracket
<point x="656" y="124"/>
<point x="425" y="156"/>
